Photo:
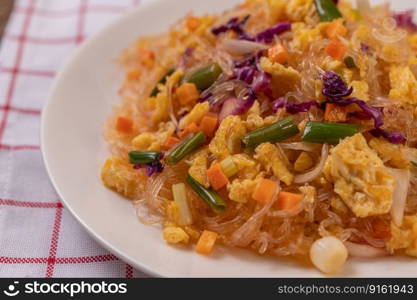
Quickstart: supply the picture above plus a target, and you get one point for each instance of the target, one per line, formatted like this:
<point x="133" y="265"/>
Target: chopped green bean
<point x="143" y="157"/>
<point x="274" y="133"/>
<point x="204" y="77"/>
<point x="185" y="148"/>
<point x="208" y="195"/>
<point x="155" y="91"/>
<point x="328" y="133"/>
<point x="327" y="10"/>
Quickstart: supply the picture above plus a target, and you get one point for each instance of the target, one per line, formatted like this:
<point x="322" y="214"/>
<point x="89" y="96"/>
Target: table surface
<point x="5" y="9"/>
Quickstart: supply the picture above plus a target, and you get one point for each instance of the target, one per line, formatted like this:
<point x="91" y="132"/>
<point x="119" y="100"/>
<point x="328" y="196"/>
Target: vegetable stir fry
<point x="287" y="127"/>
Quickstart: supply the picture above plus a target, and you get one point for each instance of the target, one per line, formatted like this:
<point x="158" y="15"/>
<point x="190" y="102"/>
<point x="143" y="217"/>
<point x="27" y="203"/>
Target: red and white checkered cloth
<point x="38" y="237"/>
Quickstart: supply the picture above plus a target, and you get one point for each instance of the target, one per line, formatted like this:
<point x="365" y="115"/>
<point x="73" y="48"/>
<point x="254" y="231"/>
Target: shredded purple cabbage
<point x="266" y="36"/>
<point x="249" y="72"/>
<point x="368" y="112"/>
<point x="392" y="137"/>
<point x="235" y="25"/>
<point x="246" y="74"/>
<point x="404" y="19"/>
<point x="261" y="82"/>
<point x="238" y="106"/>
<point x="151" y="168"/>
<point x="278" y="104"/>
<point x="292" y="107"/>
<point x="334" y="86"/>
<point x="335" y="89"/>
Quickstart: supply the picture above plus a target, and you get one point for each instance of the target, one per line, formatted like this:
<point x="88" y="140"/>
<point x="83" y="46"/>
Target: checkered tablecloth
<point x="38" y="236"/>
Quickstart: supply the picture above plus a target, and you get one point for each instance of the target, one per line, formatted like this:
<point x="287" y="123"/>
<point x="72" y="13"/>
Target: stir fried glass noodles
<point x="287" y="127"/>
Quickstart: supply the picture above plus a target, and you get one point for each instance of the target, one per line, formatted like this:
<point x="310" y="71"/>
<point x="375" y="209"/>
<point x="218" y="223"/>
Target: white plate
<point x="74" y="150"/>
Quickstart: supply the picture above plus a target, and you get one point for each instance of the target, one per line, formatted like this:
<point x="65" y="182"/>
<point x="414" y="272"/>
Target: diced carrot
<point x="206" y="242"/>
<point x="335" y="29"/>
<point x="336" y="49"/>
<point x="288" y="201"/>
<point x="264" y="191"/>
<point x="278" y="54"/>
<point x="335" y="113"/>
<point x="193" y="23"/>
<point x="187" y="93"/>
<point x="170" y="142"/>
<point x="209" y="123"/>
<point x="133" y="75"/>
<point x="124" y="125"/>
<point x="216" y="177"/>
<point x="191" y="128"/>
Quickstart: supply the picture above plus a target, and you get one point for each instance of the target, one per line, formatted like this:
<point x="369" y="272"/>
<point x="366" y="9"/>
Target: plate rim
<point x="60" y="76"/>
<point x="57" y="81"/>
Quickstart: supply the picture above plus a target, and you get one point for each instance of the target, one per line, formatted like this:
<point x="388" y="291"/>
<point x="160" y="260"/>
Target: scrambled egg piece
<point x="199" y="167"/>
<point x="360" y="90"/>
<point x="175" y="235"/>
<point x="403" y="84"/>
<point x="255" y="121"/>
<point x="162" y="103"/>
<point x="227" y="140"/>
<point x="303" y="162"/>
<point x="160" y="107"/>
<point x="193" y="233"/>
<point x="404" y="237"/>
<point x="241" y="190"/>
<point x="298" y="9"/>
<point x="173" y="212"/>
<point x="277" y="9"/>
<point x="144" y="141"/>
<point x="348" y="13"/>
<point x="338" y="205"/>
<point x="345" y="73"/>
<point x="148" y="141"/>
<point x="195" y="115"/>
<point x="283" y="78"/>
<point x="309" y="193"/>
<point x="304" y="36"/>
<point x="360" y="177"/>
<point x="247" y="167"/>
<point x="395" y="155"/>
<point x="270" y="157"/>
<point x="119" y="175"/>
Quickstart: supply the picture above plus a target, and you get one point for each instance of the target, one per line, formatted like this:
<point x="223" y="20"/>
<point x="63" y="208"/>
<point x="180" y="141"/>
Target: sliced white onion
<point x="402" y="183"/>
<point x="243" y="47"/>
<point x="313" y="174"/>
<point x="301" y="146"/>
<point x="228" y="107"/>
<point x="359" y="250"/>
